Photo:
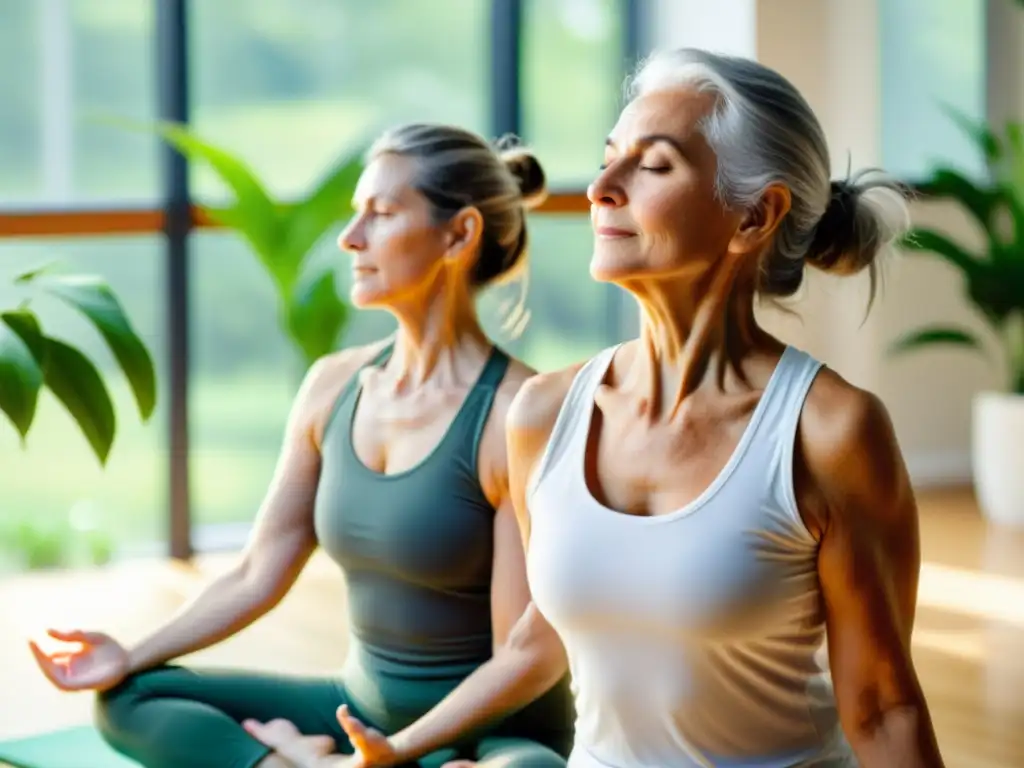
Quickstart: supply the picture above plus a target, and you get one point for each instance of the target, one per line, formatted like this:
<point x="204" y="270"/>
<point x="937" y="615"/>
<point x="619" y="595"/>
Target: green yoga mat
<point x="80" y="747"/>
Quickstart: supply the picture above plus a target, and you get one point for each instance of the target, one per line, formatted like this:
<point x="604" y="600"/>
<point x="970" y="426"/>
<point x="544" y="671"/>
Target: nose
<point x="606" y="190"/>
<point x="352" y="237"/>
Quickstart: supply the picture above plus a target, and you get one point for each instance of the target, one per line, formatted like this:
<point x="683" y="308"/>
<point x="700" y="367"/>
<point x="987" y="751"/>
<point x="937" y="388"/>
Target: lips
<point x="613" y="233"/>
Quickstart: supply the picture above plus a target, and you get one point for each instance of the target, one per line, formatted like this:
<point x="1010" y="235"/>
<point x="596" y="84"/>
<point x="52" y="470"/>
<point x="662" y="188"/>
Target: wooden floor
<point x="968" y="641"/>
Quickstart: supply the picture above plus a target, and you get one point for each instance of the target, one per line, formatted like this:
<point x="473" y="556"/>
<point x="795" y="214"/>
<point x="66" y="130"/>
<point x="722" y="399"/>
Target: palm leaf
<point x="21" y="373"/>
<point x="927" y="240"/>
<point x="316" y="314"/>
<point x="931" y="336"/>
<point x="93" y="298"/>
<point x="980" y="203"/>
<point x="77" y="384"/>
<point x="329" y="203"/>
<point x="985" y="139"/>
<point x="253" y="214"/>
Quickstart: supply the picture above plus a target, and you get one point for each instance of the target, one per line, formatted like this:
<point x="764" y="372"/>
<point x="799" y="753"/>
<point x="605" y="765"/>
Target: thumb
<point x="76" y="636"/>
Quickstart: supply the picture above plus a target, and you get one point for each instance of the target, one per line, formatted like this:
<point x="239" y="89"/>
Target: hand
<point x="287" y="741"/>
<point x="373" y="750"/>
<point x="95" y="663"/>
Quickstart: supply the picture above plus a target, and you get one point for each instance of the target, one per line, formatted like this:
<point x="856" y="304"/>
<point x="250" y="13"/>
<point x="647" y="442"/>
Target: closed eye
<point x="659" y="169"/>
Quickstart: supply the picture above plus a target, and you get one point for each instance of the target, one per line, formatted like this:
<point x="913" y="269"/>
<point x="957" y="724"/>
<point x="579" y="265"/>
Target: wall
<point x="829" y="49"/>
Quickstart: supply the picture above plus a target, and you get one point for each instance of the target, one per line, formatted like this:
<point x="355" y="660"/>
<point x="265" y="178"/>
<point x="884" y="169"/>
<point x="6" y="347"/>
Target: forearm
<point x="901" y="737"/>
<point x="509" y="681"/>
<point x="226" y="606"/>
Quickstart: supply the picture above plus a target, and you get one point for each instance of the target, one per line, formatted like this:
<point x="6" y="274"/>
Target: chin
<point x="364" y="297"/>
<point x="610" y="270"/>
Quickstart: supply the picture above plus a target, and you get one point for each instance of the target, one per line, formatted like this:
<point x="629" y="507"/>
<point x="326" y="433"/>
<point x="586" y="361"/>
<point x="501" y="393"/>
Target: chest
<point x="645" y="467"/>
<point x="406" y="507"/>
<point x="393" y="433"/>
<point x="737" y="566"/>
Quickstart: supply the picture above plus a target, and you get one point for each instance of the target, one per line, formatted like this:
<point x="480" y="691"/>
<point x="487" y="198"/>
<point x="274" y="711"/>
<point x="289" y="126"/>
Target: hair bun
<point x="836" y="234"/>
<point x="526" y="169"/>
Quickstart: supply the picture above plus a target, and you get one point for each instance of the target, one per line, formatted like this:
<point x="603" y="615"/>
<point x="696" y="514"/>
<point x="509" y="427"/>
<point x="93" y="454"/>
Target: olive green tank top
<point x="416" y="546"/>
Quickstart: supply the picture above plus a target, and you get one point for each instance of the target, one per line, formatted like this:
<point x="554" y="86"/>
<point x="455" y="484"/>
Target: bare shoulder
<point x="538" y="401"/>
<point x="850" y="448"/>
<point x="324" y="381"/>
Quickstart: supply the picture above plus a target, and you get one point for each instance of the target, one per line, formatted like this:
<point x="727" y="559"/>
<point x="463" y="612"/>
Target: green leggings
<point x="173" y="717"/>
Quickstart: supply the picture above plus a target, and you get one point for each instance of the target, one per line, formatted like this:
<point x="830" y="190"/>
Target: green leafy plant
<point x="282" y="235"/>
<point x="31" y="360"/>
<point x="993" y="277"/>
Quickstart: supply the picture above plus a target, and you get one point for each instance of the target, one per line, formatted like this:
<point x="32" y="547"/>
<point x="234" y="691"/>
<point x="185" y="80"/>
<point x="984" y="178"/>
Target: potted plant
<point x="31" y="360"/>
<point x="282" y="234"/>
<point x="994" y="283"/>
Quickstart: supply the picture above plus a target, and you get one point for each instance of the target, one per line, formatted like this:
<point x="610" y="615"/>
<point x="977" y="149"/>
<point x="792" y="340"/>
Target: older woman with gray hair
<point x="707" y="511"/>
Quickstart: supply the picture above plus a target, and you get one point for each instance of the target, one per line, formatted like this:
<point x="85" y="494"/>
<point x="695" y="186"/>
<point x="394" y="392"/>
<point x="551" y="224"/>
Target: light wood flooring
<point x="969" y="638"/>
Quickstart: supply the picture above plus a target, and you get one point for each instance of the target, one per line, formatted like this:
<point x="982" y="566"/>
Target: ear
<point x="761" y="221"/>
<point x="465" y="229"/>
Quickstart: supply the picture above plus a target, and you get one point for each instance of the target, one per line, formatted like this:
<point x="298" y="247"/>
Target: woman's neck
<point x="440" y="340"/>
<point x="687" y="331"/>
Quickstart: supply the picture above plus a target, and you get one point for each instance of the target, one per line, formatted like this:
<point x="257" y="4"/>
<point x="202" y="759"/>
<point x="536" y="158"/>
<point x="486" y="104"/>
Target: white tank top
<point x="694" y="638"/>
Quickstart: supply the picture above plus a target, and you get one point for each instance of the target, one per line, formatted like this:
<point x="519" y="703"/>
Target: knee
<point x="516" y="753"/>
<point x="113" y="708"/>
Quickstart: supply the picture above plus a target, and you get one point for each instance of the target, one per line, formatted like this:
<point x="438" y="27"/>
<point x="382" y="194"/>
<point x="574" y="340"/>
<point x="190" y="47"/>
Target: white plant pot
<point x="997" y="456"/>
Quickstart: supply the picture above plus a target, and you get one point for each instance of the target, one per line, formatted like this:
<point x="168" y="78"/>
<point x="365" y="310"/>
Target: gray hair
<point x="763" y="132"/>
<point x="457" y="168"/>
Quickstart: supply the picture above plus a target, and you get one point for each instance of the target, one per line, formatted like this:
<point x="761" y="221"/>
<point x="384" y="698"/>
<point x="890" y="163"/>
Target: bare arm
<point x="282" y="539"/>
<point x="869" y="564"/>
<point x="530" y="658"/>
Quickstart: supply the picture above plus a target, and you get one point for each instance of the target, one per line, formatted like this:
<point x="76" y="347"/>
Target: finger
<point x="323" y="745"/>
<point x="272" y="733"/>
<point x="353" y="727"/>
<point x="74" y="636"/>
<point x="54" y="672"/>
<point x="460" y="764"/>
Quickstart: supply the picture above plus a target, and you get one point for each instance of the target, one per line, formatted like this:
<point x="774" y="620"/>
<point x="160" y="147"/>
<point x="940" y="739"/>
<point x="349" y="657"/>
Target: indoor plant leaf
<point x="330" y="202"/>
<point x="983" y="136"/>
<point x="93" y="298"/>
<point x="77" y="384"/>
<point x="253" y="214"/>
<point x="925" y="337"/>
<point x="21" y="377"/>
<point x="316" y="314"/>
<point x="979" y="202"/>
<point x="923" y="239"/>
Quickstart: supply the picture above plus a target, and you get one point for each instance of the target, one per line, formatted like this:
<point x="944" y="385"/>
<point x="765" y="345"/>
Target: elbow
<point x="895" y="733"/>
<point x="257" y="588"/>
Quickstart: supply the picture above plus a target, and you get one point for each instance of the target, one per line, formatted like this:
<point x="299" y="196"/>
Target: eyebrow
<point x="653" y="138"/>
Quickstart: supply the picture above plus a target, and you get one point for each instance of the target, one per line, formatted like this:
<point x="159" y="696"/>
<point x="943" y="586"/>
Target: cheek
<point x="688" y="218"/>
<point x="404" y="249"/>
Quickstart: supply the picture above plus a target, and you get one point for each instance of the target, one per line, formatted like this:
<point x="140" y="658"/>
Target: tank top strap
<point x="794" y="378"/>
<point x="471" y="419"/>
<point x="569" y="435"/>
<point x="346" y="397"/>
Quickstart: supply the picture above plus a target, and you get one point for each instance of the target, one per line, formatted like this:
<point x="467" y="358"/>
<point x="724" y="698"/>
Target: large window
<point x="67" y="69"/>
<point x="290" y="85"/>
<point x="53" y="486"/>
<point x="933" y="53"/>
<point x="573" y="66"/>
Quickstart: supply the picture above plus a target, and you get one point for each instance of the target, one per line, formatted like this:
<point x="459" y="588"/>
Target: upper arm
<point x="283" y="536"/>
<point x="510" y="593"/>
<point x="528" y="427"/>
<point x="869" y="557"/>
